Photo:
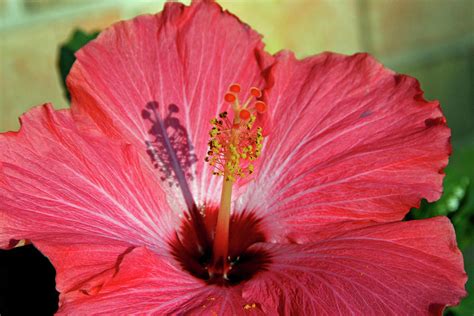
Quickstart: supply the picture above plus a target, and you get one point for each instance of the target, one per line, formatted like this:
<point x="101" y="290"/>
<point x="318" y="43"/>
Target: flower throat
<point x="214" y="243"/>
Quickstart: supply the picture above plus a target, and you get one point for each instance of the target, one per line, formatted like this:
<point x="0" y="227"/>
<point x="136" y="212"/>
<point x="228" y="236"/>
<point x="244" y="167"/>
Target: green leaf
<point x="67" y="50"/>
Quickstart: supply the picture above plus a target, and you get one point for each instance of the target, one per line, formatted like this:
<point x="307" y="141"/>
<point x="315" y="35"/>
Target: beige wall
<point x="431" y="39"/>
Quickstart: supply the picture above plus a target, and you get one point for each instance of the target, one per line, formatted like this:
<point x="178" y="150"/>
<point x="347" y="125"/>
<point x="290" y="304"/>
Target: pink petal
<point x="406" y="268"/>
<point x="60" y="183"/>
<point x="84" y="264"/>
<point x="350" y="140"/>
<point x="182" y="60"/>
<point x="147" y="284"/>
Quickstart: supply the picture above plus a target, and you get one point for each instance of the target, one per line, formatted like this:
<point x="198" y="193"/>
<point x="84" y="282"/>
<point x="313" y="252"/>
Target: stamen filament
<point x="221" y="238"/>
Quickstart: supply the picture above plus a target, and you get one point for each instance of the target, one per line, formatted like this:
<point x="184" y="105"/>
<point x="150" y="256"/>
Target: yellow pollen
<point x="250" y="306"/>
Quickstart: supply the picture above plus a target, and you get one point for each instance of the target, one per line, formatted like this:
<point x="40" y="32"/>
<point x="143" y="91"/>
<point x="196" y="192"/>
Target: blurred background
<point x="432" y="40"/>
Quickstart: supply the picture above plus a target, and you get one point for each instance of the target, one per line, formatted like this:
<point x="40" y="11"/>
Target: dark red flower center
<point x="192" y="246"/>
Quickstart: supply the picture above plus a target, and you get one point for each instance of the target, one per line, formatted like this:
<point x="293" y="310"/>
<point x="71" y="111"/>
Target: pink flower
<point x="116" y="191"/>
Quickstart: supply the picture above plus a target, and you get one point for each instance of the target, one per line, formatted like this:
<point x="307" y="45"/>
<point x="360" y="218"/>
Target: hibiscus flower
<point x="197" y="174"/>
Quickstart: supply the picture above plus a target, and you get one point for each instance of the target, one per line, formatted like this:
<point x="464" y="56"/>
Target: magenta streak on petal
<point x="173" y="156"/>
<point x="169" y="147"/>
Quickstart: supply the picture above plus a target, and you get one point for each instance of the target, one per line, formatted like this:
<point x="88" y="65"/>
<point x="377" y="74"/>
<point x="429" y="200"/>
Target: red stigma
<point x="235" y="88"/>
<point x="255" y="92"/>
<point x="244" y="114"/>
<point x="260" y="106"/>
<point x="229" y="97"/>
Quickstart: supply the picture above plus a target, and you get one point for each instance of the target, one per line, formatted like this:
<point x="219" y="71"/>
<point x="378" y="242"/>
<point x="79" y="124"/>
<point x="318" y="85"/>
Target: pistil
<point x="221" y="238"/>
<point x="232" y="148"/>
